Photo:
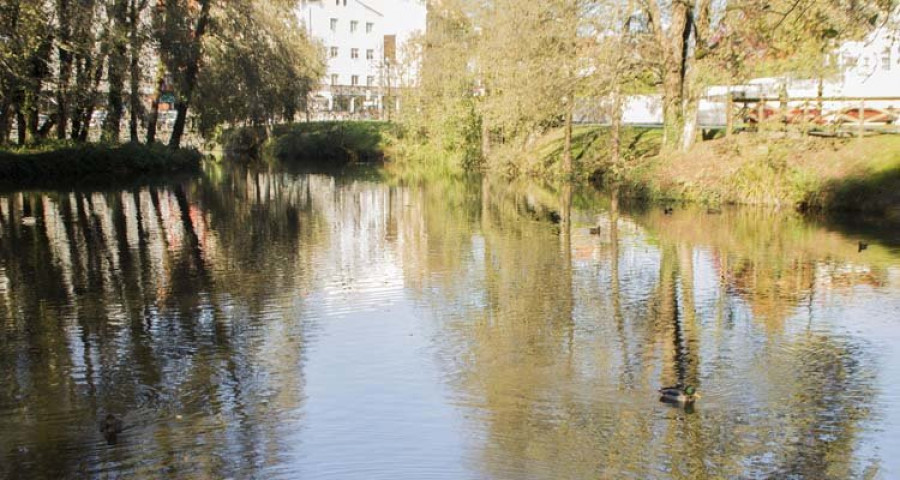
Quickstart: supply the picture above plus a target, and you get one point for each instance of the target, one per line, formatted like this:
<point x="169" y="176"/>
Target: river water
<point x="268" y="324"/>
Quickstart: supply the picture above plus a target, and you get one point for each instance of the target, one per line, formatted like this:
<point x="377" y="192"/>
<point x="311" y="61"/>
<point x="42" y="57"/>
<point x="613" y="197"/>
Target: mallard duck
<point x="862" y="246"/>
<point x="595" y="230"/>
<point x="680" y="395"/>
<point x="111" y="427"/>
<point x="29" y="221"/>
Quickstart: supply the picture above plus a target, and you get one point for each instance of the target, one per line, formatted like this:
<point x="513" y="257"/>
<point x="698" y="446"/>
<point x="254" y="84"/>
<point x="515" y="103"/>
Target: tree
<point x="260" y="67"/>
<point x="527" y="60"/>
<point x="117" y="12"/>
<point x="189" y="63"/>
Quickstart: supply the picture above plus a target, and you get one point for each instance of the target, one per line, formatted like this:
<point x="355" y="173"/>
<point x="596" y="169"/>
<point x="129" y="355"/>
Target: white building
<point x="362" y="41"/>
<point x="866" y="70"/>
<point x="869" y="68"/>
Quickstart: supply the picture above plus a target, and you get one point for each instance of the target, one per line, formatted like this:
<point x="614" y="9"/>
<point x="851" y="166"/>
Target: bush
<point x="328" y="143"/>
<point x="243" y="142"/>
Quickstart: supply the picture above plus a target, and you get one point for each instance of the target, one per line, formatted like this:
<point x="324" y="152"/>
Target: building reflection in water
<point x="189" y="311"/>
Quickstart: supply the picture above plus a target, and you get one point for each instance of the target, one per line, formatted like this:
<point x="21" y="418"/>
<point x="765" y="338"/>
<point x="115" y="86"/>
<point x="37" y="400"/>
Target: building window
<point x="370" y="54"/>
<point x="369" y="27"/>
<point x="334" y="79"/>
<point x="886" y="59"/>
<point x="354" y="80"/>
<point x="370" y="81"/>
<point x="334" y="52"/>
<point x="354" y="53"/>
<point x="333" y="24"/>
<point x="353" y="25"/>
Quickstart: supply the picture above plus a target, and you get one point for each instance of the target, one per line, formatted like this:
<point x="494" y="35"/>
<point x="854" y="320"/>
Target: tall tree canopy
<point x="516" y="68"/>
<point x="69" y="65"/>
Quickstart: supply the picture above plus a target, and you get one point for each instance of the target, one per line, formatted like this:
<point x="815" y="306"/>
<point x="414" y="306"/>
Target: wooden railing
<point x="811" y="111"/>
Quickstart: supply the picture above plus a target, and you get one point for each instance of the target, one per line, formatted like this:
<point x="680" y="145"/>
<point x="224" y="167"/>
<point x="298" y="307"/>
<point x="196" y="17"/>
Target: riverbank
<point x="797" y="172"/>
<point x="55" y="163"/>
<point x="805" y="173"/>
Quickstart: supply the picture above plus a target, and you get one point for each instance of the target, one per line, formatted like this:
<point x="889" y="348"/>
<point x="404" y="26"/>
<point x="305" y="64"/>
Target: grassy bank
<point x="807" y="173"/>
<point x="590" y="152"/>
<point x="313" y="143"/>
<point x="56" y="163"/>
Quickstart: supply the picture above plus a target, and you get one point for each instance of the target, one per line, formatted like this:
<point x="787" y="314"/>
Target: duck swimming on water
<point x="680" y="395"/>
<point x="111" y="427"/>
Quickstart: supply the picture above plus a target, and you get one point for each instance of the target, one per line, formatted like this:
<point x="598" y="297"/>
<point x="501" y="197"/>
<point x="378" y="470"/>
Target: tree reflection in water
<point x="185" y="309"/>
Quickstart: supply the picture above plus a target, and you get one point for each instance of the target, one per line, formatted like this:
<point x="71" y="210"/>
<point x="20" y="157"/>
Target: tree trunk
<point x="485" y="139"/>
<point x="729" y="113"/>
<point x="154" y="105"/>
<point x="673" y="118"/>
<point x="615" y="140"/>
<point x="159" y="19"/>
<point x="82" y="83"/>
<point x="820" y="94"/>
<point x="91" y="98"/>
<point x="62" y="93"/>
<point x="135" y="106"/>
<point x="64" y="17"/>
<point x="190" y="76"/>
<point x="20" y="127"/>
<point x="567" y="143"/>
<point x="115" y="76"/>
<point x="38" y="71"/>
<point x="691" y="112"/>
<point x="698" y="25"/>
<point x="83" y="42"/>
<point x="5" y="123"/>
<point x="675" y="45"/>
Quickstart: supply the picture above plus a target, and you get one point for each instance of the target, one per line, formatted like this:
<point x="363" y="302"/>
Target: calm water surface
<point x="262" y="324"/>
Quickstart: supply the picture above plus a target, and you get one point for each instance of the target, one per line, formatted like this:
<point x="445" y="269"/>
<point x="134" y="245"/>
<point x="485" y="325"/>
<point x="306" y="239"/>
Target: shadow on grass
<point x="872" y="193"/>
<point x="867" y="206"/>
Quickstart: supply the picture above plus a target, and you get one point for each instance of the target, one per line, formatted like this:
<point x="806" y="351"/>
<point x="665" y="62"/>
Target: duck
<point x="714" y="211"/>
<point x="595" y="230"/>
<point x="29" y="221"/>
<point x="668" y="210"/>
<point x="680" y="395"/>
<point x="862" y="246"/>
<point x="111" y="426"/>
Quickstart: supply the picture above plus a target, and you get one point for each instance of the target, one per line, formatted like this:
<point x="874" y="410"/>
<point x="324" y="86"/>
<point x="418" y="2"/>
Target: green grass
<point x="802" y="173"/>
<point x="62" y="162"/>
<point x="872" y="186"/>
<point x="590" y="152"/>
<point x="805" y="173"/>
